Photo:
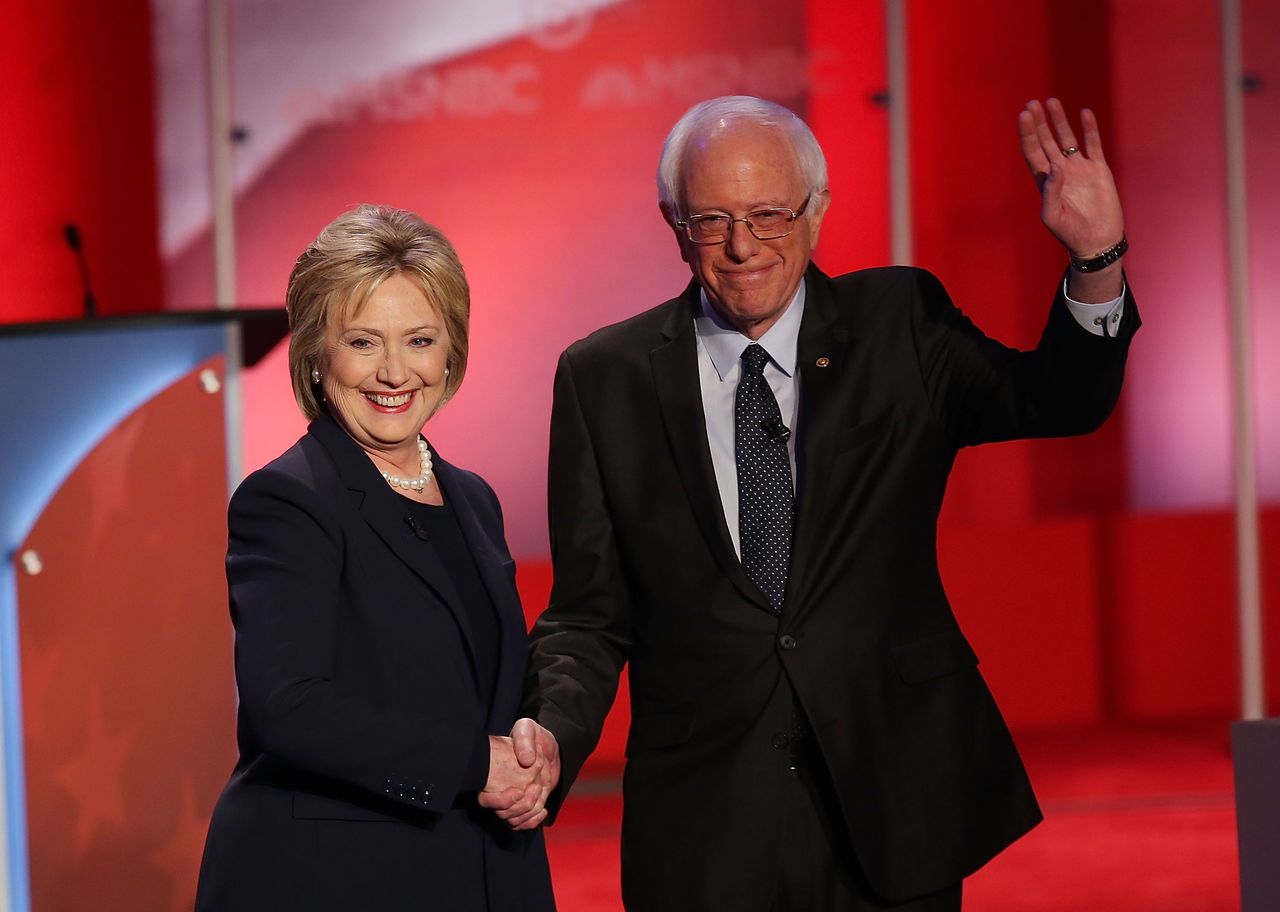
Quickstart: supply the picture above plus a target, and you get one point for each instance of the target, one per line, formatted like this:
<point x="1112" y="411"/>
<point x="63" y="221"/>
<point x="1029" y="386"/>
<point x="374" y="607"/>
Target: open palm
<point x="1079" y="201"/>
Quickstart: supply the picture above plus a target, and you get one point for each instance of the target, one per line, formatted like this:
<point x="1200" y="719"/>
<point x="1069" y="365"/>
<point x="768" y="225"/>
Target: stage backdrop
<point x="530" y="134"/>
<point x="520" y="127"/>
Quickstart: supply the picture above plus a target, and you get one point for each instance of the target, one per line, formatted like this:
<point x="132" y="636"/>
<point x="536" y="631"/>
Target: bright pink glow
<point x="271" y="420"/>
<point x="1168" y="114"/>
<point x="551" y="205"/>
<point x="552" y="210"/>
<point x="1262" y="130"/>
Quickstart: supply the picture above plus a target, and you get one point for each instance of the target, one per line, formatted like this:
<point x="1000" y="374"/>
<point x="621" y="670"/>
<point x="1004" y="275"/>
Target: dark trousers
<point x="817" y="871"/>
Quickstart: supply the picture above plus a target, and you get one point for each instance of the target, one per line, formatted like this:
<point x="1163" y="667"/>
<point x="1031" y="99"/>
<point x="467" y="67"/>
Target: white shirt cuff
<point x="1099" y="319"/>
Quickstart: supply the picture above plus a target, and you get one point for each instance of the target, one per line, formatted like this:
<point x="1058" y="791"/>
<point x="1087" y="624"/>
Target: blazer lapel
<point x="490" y="563"/>
<point x="388" y="515"/>
<point x="822" y="355"/>
<point x="675" y="379"/>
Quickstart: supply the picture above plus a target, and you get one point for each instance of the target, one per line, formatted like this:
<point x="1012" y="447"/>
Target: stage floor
<point x="1138" y="818"/>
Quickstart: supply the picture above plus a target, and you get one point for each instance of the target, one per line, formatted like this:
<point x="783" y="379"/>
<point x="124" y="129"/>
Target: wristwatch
<point x="1102" y="260"/>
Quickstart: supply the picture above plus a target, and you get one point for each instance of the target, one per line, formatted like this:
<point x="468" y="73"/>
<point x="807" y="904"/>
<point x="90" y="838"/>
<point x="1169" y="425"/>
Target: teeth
<point x="388" y="401"/>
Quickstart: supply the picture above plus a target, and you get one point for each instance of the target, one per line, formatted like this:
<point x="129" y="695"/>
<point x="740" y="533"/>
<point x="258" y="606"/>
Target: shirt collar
<point x="725" y="344"/>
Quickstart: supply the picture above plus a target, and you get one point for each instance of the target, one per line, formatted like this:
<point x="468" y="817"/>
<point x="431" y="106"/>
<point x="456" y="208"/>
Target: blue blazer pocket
<point x="933" y="656"/>
<point x="310" y="806"/>
<point x="662" y="729"/>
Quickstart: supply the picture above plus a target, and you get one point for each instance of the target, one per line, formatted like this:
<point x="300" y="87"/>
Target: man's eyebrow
<point x="754" y="207"/>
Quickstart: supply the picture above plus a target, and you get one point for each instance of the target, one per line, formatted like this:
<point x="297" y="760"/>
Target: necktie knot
<point x="754" y="358"/>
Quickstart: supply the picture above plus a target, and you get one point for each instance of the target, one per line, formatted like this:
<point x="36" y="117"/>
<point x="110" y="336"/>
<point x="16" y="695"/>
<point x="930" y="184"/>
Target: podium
<point x="117" y="699"/>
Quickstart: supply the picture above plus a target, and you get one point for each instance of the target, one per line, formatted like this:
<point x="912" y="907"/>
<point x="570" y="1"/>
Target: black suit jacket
<point x="360" y="712"/>
<point x="893" y="381"/>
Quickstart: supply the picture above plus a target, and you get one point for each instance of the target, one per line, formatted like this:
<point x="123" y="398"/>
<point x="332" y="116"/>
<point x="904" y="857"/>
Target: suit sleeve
<point x="982" y="391"/>
<point x="580" y="643"/>
<point x="284" y="573"/>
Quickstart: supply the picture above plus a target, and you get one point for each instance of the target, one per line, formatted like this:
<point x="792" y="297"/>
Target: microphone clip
<point x="417" y="530"/>
<point x="778" y="432"/>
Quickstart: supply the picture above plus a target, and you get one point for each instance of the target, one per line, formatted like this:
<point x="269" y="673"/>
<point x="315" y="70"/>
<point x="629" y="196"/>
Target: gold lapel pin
<point x="824" y="361"/>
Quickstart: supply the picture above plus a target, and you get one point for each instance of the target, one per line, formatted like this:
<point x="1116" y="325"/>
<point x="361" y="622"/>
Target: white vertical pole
<point x="224" y="229"/>
<point x="220" y="156"/>
<point x="900" y="227"/>
<point x="1248" y="565"/>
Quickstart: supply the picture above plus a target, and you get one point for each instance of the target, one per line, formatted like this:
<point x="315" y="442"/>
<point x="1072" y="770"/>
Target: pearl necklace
<point x="424" y="473"/>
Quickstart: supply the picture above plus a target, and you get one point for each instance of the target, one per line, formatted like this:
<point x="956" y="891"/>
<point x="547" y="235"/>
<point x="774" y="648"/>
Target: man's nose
<point x="741" y="244"/>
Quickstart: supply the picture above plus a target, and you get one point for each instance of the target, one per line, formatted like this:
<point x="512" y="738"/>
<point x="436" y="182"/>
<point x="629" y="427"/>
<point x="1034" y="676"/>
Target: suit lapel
<point x="502" y="592"/>
<point x="675" y="379"/>
<point x="388" y="515"/>
<point x="822" y="355"/>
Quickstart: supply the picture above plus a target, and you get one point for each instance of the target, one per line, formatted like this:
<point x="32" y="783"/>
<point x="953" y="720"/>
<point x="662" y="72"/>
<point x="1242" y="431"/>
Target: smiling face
<point x="737" y="170"/>
<point x="383" y="369"/>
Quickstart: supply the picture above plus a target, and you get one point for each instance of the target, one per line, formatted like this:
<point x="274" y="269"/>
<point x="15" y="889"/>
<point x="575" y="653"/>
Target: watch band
<point x="1102" y="260"/>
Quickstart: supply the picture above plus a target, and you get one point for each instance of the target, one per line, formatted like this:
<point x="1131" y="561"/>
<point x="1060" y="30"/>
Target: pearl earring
<point x="315" y="376"/>
<point x="446" y="371"/>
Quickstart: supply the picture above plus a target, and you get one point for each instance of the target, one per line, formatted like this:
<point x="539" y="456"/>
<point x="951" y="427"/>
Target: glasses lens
<point x="770" y="223"/>
<point x="708" y="229"/>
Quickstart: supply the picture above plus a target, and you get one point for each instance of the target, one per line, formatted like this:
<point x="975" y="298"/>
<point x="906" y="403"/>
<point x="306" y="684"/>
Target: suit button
<point x="779" y="741"/>
<point x="787" y="641"/>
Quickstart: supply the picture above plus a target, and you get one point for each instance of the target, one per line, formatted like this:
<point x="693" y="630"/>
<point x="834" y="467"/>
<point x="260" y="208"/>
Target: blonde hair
<point x="345" y="264"/>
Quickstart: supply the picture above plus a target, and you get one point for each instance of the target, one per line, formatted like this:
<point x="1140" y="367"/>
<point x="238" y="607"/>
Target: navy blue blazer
<point x="360" y="709"/>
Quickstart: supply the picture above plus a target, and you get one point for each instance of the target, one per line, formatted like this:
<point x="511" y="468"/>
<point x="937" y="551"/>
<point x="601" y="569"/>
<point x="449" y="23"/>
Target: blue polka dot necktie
<point x="766" y="499"/>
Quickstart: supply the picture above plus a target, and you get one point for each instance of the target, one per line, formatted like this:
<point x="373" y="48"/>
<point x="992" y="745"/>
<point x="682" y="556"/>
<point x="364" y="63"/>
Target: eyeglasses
<point x="764" y="224"/>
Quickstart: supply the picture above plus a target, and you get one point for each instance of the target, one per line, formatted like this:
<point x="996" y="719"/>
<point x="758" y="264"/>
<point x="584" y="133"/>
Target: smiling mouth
<point x="746" y="275"/>
<point x="390" y="403"/>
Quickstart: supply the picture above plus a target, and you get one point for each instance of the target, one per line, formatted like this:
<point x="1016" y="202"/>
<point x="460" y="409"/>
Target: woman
<point x="380" y="645"/>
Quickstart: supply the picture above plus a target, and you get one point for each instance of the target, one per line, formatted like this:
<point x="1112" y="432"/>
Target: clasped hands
<point x="523" y="771"/>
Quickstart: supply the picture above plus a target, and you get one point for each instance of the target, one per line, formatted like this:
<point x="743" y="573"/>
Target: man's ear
<point x="682" y="239"/>
<point x="817" y="212"/>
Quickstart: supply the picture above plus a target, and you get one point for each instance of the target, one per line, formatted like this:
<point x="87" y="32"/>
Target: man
<point x="744" y="485"/>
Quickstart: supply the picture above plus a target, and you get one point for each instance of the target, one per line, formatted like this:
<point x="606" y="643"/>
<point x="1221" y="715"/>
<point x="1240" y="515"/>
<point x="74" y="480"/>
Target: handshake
<point x="523" y="771"/>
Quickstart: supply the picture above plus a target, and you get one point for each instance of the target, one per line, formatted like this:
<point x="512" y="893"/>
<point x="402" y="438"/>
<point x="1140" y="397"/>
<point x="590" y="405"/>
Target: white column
<point x="900" y="227"/>
<point x="224" y="228"/>
<point x="1248" y="565"/>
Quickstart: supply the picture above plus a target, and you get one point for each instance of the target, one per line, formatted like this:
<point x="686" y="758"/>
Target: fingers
<point x="550" y="746"/>
<point x="1044" y="135"/>
<point x="527" y="805"/>
<point x="1092" y="137"/>
<point x="1032" y="153"/>
<point x="1062" y="126"/>
<point x="524" y="738"/>
<point x="531" y="822"/>
<point x="1047" y="134"/>
<point x="500" y="801"/>
<point x="551" y="752"/>
<point x="1049" y="145"/>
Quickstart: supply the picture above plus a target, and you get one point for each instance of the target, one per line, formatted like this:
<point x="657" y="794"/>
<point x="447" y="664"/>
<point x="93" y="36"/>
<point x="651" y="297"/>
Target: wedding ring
<point x="1070" y="150"/>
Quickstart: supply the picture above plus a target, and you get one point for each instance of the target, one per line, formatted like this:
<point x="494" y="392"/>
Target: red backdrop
<point x="76" y="92"/>
<point x="1037" y="547"/>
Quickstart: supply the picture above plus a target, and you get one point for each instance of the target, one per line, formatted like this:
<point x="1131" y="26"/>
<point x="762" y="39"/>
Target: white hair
<point x="708" y="116"/>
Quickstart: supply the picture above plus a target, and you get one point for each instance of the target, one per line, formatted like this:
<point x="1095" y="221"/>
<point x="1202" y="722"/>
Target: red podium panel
<point x="128" y="693"/>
